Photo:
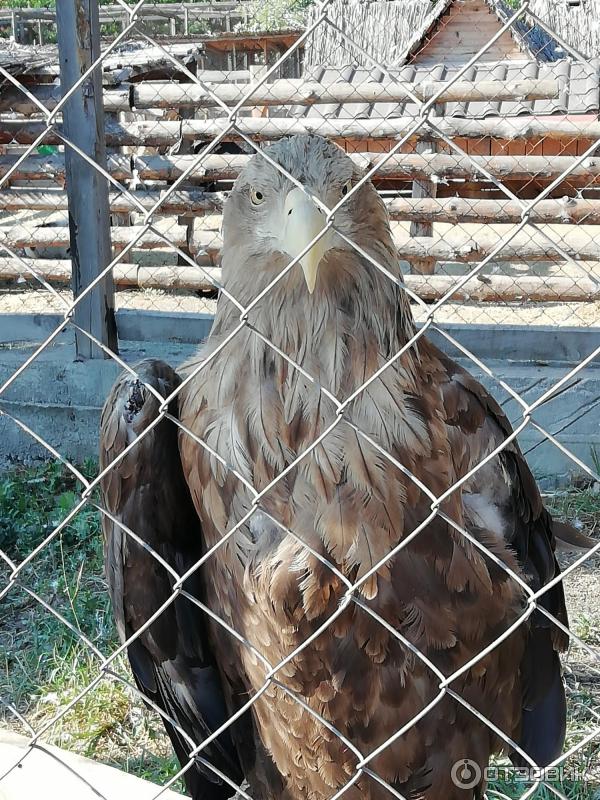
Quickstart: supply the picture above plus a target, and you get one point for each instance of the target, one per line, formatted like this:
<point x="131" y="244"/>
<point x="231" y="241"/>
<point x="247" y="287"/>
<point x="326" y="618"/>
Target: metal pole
<point x="78" y="29"/>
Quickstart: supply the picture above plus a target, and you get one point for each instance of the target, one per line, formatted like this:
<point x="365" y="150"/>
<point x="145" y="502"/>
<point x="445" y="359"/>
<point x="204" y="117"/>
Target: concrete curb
<point x="54" y="774"/>
<point x="60" y="399"/>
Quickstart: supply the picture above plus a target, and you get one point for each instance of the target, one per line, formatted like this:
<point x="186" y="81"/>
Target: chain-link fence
<point x="374" y="576"/>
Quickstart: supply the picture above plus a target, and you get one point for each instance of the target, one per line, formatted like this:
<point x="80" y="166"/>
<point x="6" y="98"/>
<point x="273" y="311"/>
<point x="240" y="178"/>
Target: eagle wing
<point x="146" y="492"/>
<point x="505" y="494"/>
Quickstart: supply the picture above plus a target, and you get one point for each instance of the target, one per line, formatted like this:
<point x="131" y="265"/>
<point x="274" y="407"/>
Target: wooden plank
<point x="79" y="47"/>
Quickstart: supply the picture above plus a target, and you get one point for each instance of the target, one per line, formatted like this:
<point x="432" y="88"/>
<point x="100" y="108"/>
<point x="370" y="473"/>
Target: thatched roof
<point x="383" y="28"/>
<point x="129" y="60"/>
<point x="392" y="30"/>
<point x="579" y="25"/>
<point x="25" y="59"/>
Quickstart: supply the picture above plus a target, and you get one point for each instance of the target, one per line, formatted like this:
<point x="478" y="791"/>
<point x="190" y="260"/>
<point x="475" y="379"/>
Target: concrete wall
<point x="60" y="399"/>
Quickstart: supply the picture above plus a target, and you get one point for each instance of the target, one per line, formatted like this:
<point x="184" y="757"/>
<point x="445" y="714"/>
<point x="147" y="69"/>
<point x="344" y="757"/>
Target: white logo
<point x="466" y="773"/>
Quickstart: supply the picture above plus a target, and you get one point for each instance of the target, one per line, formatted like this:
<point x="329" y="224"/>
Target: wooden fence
<point x="179" y="17"/>
<point x="147" y="170"/>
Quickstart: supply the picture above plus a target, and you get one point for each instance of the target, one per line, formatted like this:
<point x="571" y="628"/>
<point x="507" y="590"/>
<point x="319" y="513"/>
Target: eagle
<point x="346" y="542"/>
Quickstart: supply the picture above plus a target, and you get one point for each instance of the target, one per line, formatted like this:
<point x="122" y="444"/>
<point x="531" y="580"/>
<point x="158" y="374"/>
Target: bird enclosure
<point x="477" y="122"/>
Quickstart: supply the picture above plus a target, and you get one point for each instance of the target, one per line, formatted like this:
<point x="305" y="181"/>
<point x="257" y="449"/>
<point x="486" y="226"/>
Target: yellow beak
<point x="304" y="221"/>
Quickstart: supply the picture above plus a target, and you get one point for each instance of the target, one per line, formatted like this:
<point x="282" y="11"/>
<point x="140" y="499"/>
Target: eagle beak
<point x="304" y="221"/>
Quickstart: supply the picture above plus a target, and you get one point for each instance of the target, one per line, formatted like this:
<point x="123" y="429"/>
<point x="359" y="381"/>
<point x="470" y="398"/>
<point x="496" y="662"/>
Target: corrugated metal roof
<point x="579" y="89"/>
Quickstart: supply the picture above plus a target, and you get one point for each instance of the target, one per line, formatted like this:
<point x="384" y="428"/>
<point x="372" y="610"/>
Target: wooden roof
<point x="394" y="31"/>
<point x="458" y="29"/>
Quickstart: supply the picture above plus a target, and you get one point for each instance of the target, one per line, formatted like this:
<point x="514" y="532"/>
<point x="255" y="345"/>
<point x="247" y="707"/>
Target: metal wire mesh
<point x="487" y="166"/>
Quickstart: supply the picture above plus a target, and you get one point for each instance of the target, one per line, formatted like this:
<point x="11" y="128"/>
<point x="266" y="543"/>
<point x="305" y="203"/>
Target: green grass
<point x="44" y="665"/>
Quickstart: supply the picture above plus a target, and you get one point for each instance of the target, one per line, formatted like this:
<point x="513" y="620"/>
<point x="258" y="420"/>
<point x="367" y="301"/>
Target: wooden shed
<point x="418" y="42"/>
<point x="456" y="30"/>
<point x="517" y="140"/>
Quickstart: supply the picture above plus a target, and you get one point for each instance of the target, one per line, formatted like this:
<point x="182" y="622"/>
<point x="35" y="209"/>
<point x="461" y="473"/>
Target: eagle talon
<point x="135" y="401"/>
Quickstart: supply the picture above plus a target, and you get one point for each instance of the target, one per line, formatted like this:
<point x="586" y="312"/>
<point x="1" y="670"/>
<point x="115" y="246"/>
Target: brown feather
<point x="353" y="506"/>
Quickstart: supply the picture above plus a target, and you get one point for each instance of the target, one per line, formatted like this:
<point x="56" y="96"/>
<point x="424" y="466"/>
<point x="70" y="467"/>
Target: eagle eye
<point x="256" y="197"/>
<point x="346" y="188"/>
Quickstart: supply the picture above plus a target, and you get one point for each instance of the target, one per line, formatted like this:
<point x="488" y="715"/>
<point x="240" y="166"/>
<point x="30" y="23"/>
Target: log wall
<point x="522" y="154"/>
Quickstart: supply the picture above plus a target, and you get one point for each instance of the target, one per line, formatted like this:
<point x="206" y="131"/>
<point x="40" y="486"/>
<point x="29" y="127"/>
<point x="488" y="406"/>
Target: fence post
<point x="78" y="29"/>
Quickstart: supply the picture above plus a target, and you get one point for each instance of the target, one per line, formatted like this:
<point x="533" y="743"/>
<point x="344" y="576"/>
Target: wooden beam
<point x="114" y="13"/>
<point x="422" y="189"/>
<point x="89" y="224"/>
<point x="430" y="288"/>
<point x="13" y="99"/>
<point x="498" y="288"/>
<point x="580" y="247"/>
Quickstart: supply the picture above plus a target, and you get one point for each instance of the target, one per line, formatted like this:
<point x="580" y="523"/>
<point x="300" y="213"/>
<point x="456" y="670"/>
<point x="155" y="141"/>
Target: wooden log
<point x="525" y="247"/>
<point x="287" y="92"/>
<point x="579" y="245"/>
<point x="29" y="236"/>
<point x="498" y="288"/>
<point x="401" y="166"/>
<point x="168" y="132"/>
<point x="49" y="95"/>
<point x="430" y="288"/>
<point x="567" y="210"/>
<point x="422" y="189"/>
<point x="52" y="167"/>
<point x="124" y="275"/>
<point x="193" y="201"/>
<point x="522" y="249"/>
<point x="299" y="92"/>
<point x="114" y="11"/>
<point x="78" y="30"/>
